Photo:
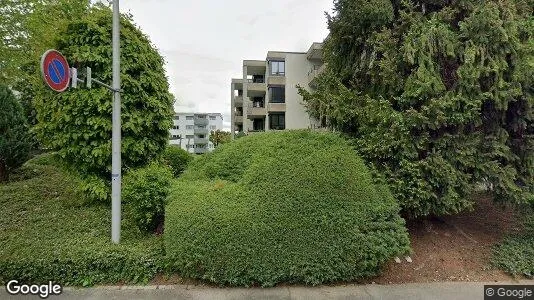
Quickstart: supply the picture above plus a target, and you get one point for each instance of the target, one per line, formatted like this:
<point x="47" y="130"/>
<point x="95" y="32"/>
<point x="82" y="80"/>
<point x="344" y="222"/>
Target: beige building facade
<point x="266" y="97"/>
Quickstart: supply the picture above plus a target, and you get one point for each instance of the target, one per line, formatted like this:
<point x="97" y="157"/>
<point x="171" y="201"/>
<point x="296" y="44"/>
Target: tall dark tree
<point x="15" y="139"/>
<point x="438" y="96"/>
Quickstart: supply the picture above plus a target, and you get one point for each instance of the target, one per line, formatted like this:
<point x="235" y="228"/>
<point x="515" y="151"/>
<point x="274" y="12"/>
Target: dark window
<point x="258" y="78"/>
<point x="258" y="124"/>
<point x="189" y="117"/>
<point x="257" y="102"/>
<point x="278" y="67"/>
<point x="177" y="117"/>
<point x="278" y="94"/>
<point x="277" y="121"/>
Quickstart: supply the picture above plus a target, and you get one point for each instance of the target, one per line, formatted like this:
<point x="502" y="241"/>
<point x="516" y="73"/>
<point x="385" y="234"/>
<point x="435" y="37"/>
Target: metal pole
<point x="116" y="131"/>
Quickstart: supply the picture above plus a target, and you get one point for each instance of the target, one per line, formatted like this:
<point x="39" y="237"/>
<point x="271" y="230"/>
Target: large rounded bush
<point x="292" y="206"/>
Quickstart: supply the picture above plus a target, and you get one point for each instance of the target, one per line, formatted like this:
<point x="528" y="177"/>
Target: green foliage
<point x="437" y="97"/>
<point x="77" y="123"/>
<point x="177" y="159"/>
<point x="26" y="36"/>
<point x="45" y="237"/>
<point x="219" y="137"/>
<point x="292" y="206"/>
<point x="15" y="139"/>
<point x="516" y="253"/>
<point x="145" y="192"/>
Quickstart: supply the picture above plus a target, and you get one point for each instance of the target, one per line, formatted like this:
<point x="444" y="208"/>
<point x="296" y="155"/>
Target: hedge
<point x="293" y="206"/>
<point x="47" y="233"/>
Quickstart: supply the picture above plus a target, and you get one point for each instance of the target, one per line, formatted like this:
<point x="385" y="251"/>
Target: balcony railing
<point x="253" y="110"/>
<point x="201" y="121"/>
<point x="204" y="130"/>
<point x="314" y="72"/>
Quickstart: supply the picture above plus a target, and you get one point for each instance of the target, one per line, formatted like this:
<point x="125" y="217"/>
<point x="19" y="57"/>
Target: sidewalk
<point x="437" y="290"/>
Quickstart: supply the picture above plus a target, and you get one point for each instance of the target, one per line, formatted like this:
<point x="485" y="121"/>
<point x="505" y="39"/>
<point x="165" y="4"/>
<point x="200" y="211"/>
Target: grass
<point x="47" y="234"/>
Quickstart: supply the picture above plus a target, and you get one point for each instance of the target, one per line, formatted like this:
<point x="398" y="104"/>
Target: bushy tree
<point x="437" y="95"/>
<point x="77" y="123"/>
<point x="15" y="142"/>
<point x="219" y="137"/>
<point x="177" y="159"/>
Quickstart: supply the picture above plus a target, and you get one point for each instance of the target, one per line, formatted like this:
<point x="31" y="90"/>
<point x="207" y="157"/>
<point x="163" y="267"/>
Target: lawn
<point x="47" y="233"/>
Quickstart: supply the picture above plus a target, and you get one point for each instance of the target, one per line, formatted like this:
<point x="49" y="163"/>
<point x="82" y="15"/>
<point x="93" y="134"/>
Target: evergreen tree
<point x="437" y="95"/>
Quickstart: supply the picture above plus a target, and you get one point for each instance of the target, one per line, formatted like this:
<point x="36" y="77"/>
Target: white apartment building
<point x="266" y="98"/>
<point x="191" y="131"/>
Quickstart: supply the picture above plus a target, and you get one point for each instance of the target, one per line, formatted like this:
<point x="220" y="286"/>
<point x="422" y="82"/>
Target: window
<point x="189" y="117"/>
<point x="257" y="124"/>
<point x="257" y="102"/>
<point x="177" y="117"/>
<point x="201" y="136"/>
<point x="213" y="118"/>
<point x="201" y="126"/>
<point x="188" y="126"/>
<point x="278" y="67"/>
<point x="189" y="136"/>
<point x="278" y="94"/>
<point x="277" y="121"/>
<point x="175" y="127"/>
<point x="201" y="116"/>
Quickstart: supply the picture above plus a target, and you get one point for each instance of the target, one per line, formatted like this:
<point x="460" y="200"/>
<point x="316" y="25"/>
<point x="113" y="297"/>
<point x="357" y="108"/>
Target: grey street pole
<point x="116" y="131"/>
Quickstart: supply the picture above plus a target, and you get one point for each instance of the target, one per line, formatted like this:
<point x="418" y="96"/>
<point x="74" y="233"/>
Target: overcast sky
<point x="205" y="41"/>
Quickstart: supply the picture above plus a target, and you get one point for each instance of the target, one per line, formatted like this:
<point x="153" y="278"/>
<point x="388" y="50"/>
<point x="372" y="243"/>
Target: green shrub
<point x="145" y="192"/>
<point x="274" y="207"/>
<point x="45" y="238"/>
<point x="15" y="140"/>
<point x="515" y="254"/>
<point x="177" y="159"/>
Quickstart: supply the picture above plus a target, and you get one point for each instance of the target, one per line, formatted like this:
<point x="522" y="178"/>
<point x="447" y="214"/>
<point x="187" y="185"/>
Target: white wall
<point x="297" y="67"/>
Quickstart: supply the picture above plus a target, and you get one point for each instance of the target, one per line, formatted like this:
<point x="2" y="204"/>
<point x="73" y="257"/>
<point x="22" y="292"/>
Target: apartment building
<point x="191" y="131"/>
<point x="266" y="97"/>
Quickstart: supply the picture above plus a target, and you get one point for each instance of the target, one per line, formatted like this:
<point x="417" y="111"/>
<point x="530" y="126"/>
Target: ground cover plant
<point x="292" y="206"/>
<point x="515" y="254"/>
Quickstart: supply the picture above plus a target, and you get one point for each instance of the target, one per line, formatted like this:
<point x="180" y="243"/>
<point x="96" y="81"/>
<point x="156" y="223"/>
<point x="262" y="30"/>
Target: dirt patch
<point x="455" y="248"/>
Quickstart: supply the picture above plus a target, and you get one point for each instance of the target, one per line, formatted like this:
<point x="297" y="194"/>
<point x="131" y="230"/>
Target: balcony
<point x="314" y="72"/>
<point x="255" y="111"/>
<point x="315" y="52"/>
<point x="276" y="107"/>
<point x="204" y="131"/>
<point x="201" y="121"/>
<point x="238" y="119"/>
<point x="256" y="87"/>
<point x="238" y="101"/>
<point x="201" y="141"/>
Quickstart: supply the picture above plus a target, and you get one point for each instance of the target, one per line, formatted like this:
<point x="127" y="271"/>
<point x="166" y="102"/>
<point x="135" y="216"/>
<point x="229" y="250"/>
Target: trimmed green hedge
<point x="292" y="206"/>
<point x="145" y="191"/>
<point x="47" y="235"/>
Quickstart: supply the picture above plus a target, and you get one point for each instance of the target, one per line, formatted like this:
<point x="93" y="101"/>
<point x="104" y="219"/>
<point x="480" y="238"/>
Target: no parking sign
<point x="55" y="70"/>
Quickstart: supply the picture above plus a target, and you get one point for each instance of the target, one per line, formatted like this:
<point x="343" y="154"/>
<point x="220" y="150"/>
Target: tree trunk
<point x="3" y="171"/>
